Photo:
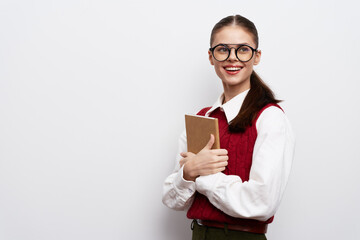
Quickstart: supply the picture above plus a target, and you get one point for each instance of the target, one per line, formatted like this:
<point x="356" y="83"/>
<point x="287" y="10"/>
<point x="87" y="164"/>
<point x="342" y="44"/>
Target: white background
<point x="93" y="96"/>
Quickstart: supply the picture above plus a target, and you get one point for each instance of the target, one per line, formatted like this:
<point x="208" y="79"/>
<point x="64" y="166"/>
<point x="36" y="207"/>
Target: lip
<point x="232" y="72"/>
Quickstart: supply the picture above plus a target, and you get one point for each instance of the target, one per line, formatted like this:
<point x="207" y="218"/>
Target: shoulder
<point x="272" y="117"/>
<point x="270" y="106"/>
<point x="274" y="124"/>
<point x="272" y="110"/>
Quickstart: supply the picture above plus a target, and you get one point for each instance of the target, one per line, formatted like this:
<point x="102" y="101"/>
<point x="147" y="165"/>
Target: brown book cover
<point x="198" y="130"/>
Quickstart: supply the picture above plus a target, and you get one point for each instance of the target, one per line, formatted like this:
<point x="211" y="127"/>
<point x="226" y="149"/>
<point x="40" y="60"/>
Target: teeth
<point x="232" y="68"/>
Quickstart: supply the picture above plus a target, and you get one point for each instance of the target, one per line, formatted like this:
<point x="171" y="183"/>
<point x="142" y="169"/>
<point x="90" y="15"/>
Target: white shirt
<point x="259" y="197"/>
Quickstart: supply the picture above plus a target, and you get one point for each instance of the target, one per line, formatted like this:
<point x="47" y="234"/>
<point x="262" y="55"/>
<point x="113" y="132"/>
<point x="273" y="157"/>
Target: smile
<point x="232" y="69"/>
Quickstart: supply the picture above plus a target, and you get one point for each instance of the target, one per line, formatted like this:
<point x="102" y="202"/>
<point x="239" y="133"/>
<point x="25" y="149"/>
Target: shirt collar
<point x="231" y="107"/>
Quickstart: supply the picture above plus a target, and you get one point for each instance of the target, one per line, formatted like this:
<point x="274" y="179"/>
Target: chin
<point x="236" y="83"/>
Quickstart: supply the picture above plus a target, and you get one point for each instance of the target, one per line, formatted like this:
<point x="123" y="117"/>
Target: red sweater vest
<point x="240" y="148"/>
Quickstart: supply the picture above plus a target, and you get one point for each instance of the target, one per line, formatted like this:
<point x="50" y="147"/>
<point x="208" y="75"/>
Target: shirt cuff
<point x="183" y="186"/>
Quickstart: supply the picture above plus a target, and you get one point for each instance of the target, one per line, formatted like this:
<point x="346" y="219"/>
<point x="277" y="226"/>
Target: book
<point x="198" y="130"/>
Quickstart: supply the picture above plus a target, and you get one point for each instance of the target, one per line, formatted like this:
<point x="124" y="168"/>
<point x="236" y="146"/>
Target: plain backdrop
<point x="92" y="102"/>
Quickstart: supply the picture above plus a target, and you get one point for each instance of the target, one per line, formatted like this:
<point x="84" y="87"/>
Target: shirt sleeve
<point x="259" y="197"/>
<point x="178" y="193"/>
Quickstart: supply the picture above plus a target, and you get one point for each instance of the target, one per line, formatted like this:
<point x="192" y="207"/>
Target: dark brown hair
<point x="259" y="94"/>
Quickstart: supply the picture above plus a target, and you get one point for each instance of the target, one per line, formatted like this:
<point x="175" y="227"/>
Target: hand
<point x="207" y="161"/>
<point x="186" y="156"/>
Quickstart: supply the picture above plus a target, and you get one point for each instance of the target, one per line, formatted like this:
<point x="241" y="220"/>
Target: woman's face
<point x="235" y="75"/>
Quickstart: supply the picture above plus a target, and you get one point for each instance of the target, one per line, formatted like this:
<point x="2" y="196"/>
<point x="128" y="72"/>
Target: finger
<point x="220" y="169"/>
<point x="219" y="151"/>
<point x="211" y="142"/>
<point x="183" y="154"/>
<point x="187" y="154"/>
<point x="217" y="165"/>
<point x="190" y="154"/>
<point x="222" y="164"/>
<point x="216" y="159"/>
<point x="222" y="158"/>
<point x="181" y="162"/>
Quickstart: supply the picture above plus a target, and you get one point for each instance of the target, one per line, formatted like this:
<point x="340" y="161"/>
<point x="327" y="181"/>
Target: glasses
<point x="221" y="52"/>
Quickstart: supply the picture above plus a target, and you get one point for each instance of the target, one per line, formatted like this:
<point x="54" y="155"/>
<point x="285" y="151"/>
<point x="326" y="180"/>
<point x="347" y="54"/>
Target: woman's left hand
<point x="186" y="156"/>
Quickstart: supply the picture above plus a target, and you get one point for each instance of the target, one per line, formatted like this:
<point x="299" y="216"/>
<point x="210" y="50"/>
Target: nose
<point x="232" y="55"/>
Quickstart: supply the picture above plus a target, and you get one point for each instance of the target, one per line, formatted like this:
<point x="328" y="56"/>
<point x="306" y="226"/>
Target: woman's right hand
<point x="207" y="161"/>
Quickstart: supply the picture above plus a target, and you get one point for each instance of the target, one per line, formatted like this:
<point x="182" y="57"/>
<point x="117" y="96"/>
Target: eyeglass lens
<point x="244" y="53"/>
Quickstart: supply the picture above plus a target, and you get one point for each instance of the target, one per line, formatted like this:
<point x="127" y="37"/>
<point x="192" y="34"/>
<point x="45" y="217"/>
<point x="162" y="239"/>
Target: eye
<point x="244" y="49"/>
<point x="221" y="49"/>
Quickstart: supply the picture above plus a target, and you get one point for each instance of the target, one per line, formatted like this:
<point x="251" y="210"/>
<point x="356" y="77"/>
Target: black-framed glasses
<point x="243" y="52"/>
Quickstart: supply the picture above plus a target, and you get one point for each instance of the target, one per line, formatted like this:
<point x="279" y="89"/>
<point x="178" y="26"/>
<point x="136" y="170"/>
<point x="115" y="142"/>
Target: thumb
<point x="210" y="143"/>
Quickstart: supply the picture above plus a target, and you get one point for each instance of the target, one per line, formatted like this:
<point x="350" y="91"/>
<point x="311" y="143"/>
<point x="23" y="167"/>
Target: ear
<point x="257" y="57"/>
<point x="211" y="59"/>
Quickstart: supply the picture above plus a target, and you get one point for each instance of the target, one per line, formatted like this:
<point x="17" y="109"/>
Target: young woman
<point x="234" y="192"/>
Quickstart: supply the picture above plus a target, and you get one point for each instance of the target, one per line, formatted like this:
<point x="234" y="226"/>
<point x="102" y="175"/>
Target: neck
<point x="232" y="91"/>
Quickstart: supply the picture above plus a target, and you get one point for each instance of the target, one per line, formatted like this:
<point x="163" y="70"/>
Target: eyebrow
<point x="236" y="43"/>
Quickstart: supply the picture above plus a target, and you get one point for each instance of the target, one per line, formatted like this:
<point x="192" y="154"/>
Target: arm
<point x="259" y="197"/>
<point x="178" y="193"/>
<point x="179" y="187"/>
